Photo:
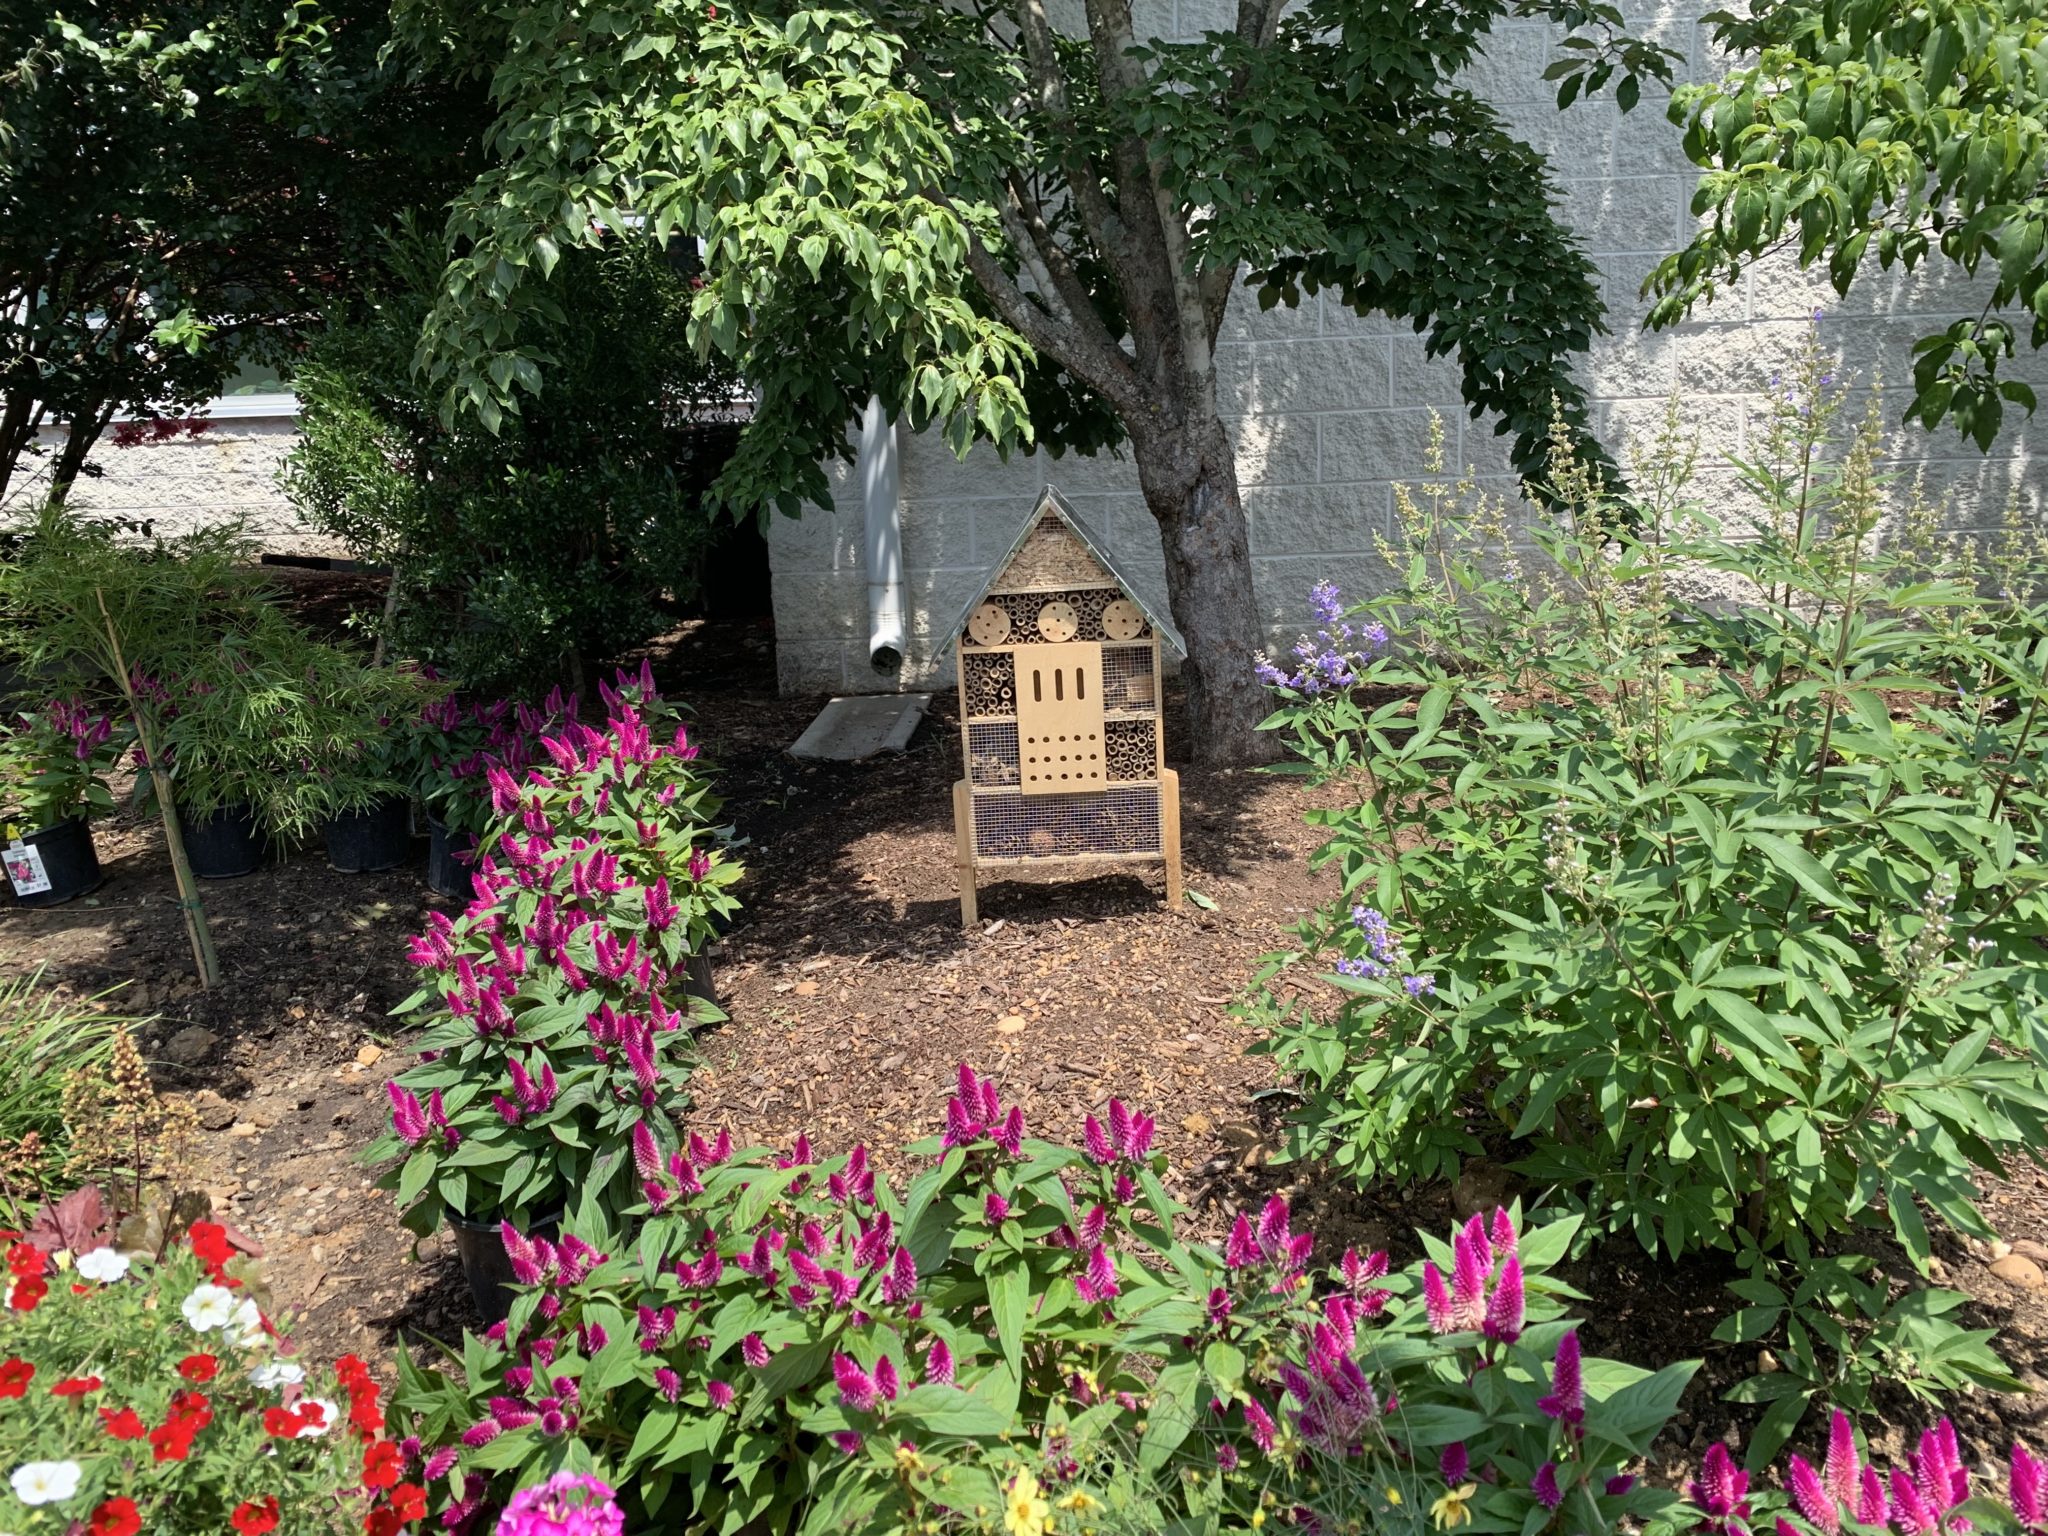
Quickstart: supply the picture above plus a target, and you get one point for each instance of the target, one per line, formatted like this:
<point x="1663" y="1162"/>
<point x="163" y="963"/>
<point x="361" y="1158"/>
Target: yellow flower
<point x="1025" y="1511"/>
<point x="1080" y="1502"/>
<point x="1393" y="1495"/>
<point x="1449" y="1512"/>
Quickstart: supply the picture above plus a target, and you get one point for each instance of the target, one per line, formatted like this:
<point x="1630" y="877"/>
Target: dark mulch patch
<point x="853" y="993"/>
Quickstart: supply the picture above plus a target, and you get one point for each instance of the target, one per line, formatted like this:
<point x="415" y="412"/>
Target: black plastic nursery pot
<point x="480" y="1246"/>
<point x="222" y="844"/>
<point x="380" y="837"/>
<point x="68" y="859"/>
<point x="447" y="856"/>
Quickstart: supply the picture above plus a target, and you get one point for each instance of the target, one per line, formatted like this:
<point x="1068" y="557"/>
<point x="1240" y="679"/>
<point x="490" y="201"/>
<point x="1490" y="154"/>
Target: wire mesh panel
<point x="1066" y="826"/>
<point x="1127" y="681"/>
<point x="992" y="753"/>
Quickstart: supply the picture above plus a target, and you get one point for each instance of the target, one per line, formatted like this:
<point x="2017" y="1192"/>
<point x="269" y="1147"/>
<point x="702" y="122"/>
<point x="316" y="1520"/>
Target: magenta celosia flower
<point x="846" y="1440"/>
<point x="1620" y="1484"/>
<point x="565" y="1505"/>
<point x="408" y="1119"/>
<point x="719" y="1394"/>
<point x="1503" y="1229"/>
<point x="1504" y="1310"/>
<point x="1566" y="1399"/>
<point x="1842" y="1470"/>
<point x="995" y="1210"/>
<point x="754" y="1350"/>
<point x="857" y="1389"/>
<point x="1219" y="1306"/>
<point x="1471" y="1262"/>
<point x="1241" y="1249"/>
<point x="1455" y="1463"/>
<point x="2029" y="1490"/>
<point x="1548" y="1494"/>
<point x="1097" y="1282"/>
<point x="1721" y="1491"/>
<point x="1260" y="1423"/>
<point x="1095" y="1141"/>
<point x="1436" y="1300"/>
<point x="886" y="1380"/>
<point x="1009" y="1136"/>
<point x="646" y="1155"/>
<point x="900" y="1284"/>
<point x="1910" y="1510"/>
<point x="1810" y="1495"/>
<point x="1871" y="1505"/>
<point x="938" y="1364"/>
<point x="667" y="1383"/>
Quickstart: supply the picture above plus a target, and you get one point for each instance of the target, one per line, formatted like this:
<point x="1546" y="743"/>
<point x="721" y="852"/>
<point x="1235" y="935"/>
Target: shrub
<point x="787" y="1343"/>
<point x="528" y="548"/>
<point x="551" y="1050"/>
<point x="149" y="1393"/>
<point x="53" y="765"/>
<point x="1710" y="912"/>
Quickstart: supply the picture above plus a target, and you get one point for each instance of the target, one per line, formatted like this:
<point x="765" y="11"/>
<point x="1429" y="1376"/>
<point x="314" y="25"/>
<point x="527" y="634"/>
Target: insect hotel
<point x="1059" y="713"/>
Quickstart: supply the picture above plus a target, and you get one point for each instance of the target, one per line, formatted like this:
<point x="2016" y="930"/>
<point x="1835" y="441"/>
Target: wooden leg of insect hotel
<point x="963" y="833"/>
<point x="1169" y="833"/>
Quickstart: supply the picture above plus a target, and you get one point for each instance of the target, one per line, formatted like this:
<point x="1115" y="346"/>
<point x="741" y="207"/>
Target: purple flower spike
<point x="1842" y="1471"/>
<point x="1721" y="1491"/>
<point x="1811" y="1496"/>
<point x="1455" y="1463"/>
<point x="1436" y="1299"/>
<point x="1567" y="1397"/>
<point x="1242" y="1248"/>
<point x="1548" y="1494"/>
<point x="857" y="1389"/>
<point x="2029" y="1490"/>
<point x="938" y="1364"/>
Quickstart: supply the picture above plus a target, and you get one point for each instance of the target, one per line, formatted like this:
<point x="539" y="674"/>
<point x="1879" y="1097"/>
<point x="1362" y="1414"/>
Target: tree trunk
<point x="80" y="434"/>
<point x="1189" y="475"/>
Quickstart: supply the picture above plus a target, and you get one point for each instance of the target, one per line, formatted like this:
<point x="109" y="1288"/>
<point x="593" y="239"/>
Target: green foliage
<point x="44" y="1038"/>
<point x="1722" y="845"/>
<point x="1866" y="131"/>
<point x="180" y="185"/>
<point x="245" y="706"/>
<point x="919" y="200"/>
<point x="519" y="553"/>
<point x="1841" y="1331"/>
<point x="1017" y="1341"/>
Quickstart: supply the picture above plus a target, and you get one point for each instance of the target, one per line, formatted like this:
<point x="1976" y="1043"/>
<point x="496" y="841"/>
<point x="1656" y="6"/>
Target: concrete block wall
<point x="226" y="473"/>
<point x="1330" y="410"/>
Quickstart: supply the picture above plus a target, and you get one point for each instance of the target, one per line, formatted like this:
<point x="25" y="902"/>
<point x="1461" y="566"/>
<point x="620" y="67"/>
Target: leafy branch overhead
<point x="1015" y="226"/>
<point x="1863" y="131"/>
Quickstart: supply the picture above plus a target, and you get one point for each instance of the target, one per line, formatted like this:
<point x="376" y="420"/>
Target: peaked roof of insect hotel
<point x="1052" y="504"/>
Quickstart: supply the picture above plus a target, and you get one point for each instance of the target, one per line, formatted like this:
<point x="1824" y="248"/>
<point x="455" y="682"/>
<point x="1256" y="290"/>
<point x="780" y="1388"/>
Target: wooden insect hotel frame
<point x="1060" y="726"/>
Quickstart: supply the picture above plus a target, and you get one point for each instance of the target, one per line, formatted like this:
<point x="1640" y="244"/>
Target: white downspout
<point x="882" y="549"/>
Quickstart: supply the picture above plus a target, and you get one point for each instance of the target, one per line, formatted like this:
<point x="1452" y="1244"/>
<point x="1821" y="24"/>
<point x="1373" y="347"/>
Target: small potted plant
<point x="367" y="783"/>
<point x="53" y="768"/>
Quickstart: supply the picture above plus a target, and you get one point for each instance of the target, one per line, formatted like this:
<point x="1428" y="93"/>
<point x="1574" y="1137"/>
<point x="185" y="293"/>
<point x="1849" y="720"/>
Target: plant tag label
<point x="25" y="870"/>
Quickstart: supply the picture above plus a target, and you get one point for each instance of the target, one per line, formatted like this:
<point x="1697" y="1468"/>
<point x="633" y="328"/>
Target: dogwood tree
<point x="1864" y="134"/>
<point x="1022" y="221"/>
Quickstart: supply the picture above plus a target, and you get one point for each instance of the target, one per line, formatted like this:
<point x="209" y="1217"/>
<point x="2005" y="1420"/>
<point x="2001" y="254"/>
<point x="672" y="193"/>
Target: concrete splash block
<point x="850" y="729"/>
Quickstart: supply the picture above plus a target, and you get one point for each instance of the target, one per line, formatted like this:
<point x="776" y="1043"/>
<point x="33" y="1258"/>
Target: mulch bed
<point x="853" y="993"/>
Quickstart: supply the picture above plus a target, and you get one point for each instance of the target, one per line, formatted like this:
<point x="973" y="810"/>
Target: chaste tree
<point x="1863" y="133"/>
<point x="1021" y="221"/>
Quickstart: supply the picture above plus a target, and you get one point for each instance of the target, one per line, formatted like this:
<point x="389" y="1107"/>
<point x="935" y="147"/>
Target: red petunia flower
<point x="27" y="1293"/>
<point x="382" y="1463"/>
<point x="409" y="1501"/>
<point x="125" y="1424"/>
<point x="25" y="1259"/>
<point x="116" y="1517"/>
<point x="76" y="1386"/>
<point x="15" y="1374"/>
<point x="210" y="1242"/>
<point x="200" y="1368"/>
<point x="255" y="1519"/>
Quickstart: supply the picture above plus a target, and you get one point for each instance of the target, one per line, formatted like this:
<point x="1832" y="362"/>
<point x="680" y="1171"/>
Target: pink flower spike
<point x="1242" y="1249"/>
<point x="1841" y="1473"/>
<point x="857" y="1389"/>
<point x="1910" y="1511"/>
<point x="1811" y="1495"/>
<point x="1482" y="1245"/>
<point x="1011" y="1137"/>
<point x="1503" y="1230"/>
<point x="1100" y="1151"/>
<point x="938" y="1364"/>
<point x="1567" y="1397"/>
<point x="847" y="1441"/>
<point x="1273" y="1228"/>
<point x="646" y="1156"/>
<point x="886" y="1381"/>
<point x="1871" y="1508"/>
<point x="719" y="1394"/>
<point x="754" y="1351"/>
<point x="1468" y="1282"/>
<point x="1721" y="1490"/>
<point x="2029" y="1490"/>
<point x="1455" y="1463"/>
<point x="1436" y="1299"/>
<point x="1261" y="1425"/>
<point x="1544" y="1485"/>
<point x="1504" y="1311"/>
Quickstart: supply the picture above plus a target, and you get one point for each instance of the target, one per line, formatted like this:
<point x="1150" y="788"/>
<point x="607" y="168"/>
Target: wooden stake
<point x="204" y="959"/>
<point x="963" y="833"/>
<point x="1169" y="833"/>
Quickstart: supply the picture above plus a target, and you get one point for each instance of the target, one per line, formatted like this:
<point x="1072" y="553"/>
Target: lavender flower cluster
<point x="1382" y="957"/>
<point x="1334" y="656"/>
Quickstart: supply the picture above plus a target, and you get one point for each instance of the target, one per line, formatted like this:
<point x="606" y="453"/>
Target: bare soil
<point x="853" y="993"/>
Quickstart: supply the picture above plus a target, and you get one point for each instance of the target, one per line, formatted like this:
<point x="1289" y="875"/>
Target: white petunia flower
<point x="209" y="1307"/>
<point x="103" y="1265"/>
<point x="44" y="1482"/>
<point x="273" y="1374"/>
<point x="246" y="1325"/>
<point x="329" y="1418"/>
